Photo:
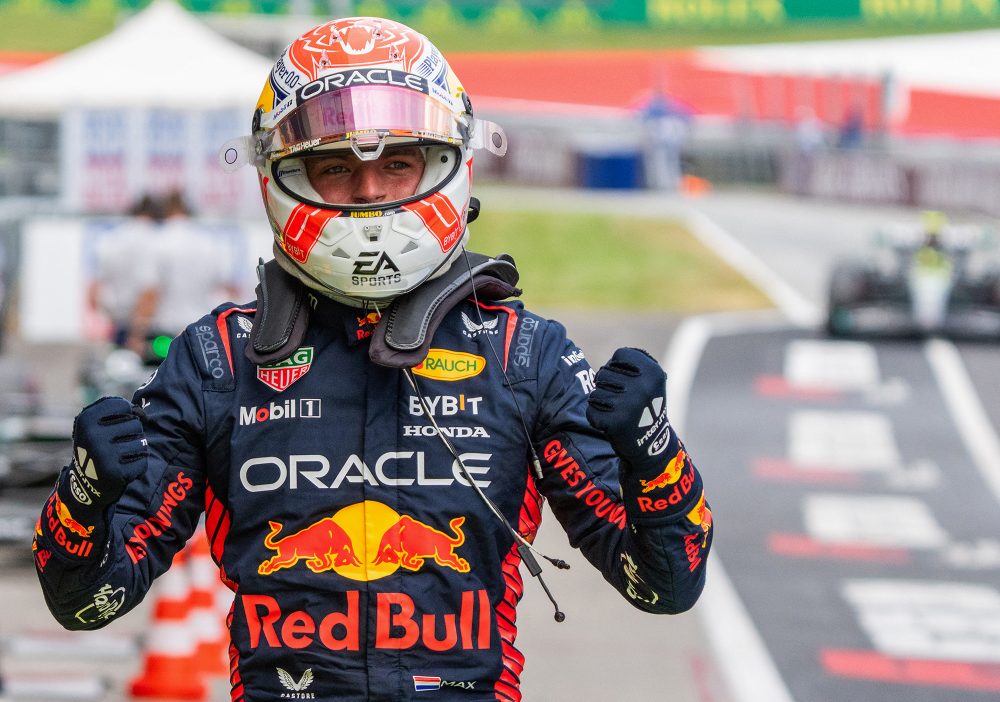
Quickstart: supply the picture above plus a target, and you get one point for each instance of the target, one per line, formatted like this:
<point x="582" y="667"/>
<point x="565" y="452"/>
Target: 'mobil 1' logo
<point x="442" y="364"/>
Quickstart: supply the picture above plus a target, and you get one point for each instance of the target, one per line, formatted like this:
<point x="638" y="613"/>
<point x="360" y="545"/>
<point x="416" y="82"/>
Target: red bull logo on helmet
<point x="366" y="541"/>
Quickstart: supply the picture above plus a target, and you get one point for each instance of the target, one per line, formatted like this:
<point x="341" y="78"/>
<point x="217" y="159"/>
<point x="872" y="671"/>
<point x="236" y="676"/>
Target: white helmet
<point x="357" y="86"/>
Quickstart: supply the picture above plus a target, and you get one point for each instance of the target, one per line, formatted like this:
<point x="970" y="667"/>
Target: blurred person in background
<point x="810" y="134"/>
<point x="665" y="129"/>
<point x="125" y="266"/>
<point x="851" y="134"/>
<point x="193" y="270"/>
<point x="372" y="439"/>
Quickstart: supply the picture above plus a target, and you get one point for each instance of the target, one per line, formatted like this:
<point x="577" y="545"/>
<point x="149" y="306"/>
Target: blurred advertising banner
<point x="109" y="158"/>
<point x="701" y="13"/>
<point x="66" y="312"/>
<point x="580" y="13"/>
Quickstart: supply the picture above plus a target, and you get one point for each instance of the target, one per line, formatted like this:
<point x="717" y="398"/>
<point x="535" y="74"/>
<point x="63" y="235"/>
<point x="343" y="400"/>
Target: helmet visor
<point x="404" y="171"/>
<point x="334" y="115"/>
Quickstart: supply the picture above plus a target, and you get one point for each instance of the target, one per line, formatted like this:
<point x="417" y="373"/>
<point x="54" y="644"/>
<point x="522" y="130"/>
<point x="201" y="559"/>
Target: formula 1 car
<point x="919" y="281"/>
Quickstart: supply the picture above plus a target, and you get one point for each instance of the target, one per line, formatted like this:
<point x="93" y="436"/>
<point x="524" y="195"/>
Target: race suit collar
<point x="400" y="337"/>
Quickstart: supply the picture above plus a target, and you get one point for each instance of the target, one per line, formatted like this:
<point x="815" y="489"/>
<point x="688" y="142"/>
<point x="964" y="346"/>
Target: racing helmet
<point x="356" y="90"/>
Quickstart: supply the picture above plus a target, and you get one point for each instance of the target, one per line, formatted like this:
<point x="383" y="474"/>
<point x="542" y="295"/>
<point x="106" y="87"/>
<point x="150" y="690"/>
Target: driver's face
<point x="344" y="179"/>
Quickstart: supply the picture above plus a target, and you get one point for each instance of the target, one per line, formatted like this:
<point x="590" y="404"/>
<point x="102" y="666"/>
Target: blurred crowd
<point x="155" y="272"/>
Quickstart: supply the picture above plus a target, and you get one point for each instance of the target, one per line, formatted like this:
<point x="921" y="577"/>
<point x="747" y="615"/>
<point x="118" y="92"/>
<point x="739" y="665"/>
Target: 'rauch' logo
<point x="280" y="375"/>
<point x="442" y="364"/>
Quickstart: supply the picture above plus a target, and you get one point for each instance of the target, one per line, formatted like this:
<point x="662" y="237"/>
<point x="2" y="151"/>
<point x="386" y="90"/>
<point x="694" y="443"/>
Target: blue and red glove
<point x="629" y="404"/>
<point x="109" y="452"/>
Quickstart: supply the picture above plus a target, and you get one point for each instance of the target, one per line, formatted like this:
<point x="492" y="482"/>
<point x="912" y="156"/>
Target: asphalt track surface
<point x="855" y="484"/>
<point x="853" y="564"/>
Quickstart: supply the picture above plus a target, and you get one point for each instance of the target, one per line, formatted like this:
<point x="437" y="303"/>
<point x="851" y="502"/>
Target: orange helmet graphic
<point x="364" y="88"/>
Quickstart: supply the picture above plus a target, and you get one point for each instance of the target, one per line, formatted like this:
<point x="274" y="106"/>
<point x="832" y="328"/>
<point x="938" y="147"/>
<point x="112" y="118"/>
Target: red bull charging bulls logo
<point x="324" y="546"/>
<point x="409" y="542"/>
<point x="388" y="540"/>
<point x="66" y="519"/>
<point x="670" y="475"/>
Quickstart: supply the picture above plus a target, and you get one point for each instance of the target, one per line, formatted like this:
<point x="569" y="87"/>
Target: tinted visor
<point x="403" y="172"/>
<point x="330" y="116"/>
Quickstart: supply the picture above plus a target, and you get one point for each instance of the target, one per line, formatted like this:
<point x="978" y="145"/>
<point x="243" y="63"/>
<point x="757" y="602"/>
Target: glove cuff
<point x="664" y="489"/>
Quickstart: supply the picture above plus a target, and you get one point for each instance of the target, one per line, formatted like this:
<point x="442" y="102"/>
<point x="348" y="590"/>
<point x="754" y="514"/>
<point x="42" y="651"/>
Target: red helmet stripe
<point x="441" y="219"/>
<point x="303" y="229"/>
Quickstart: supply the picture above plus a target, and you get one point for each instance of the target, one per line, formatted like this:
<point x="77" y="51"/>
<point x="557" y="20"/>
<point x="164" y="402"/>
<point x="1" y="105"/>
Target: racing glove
<point x="629" y="404"/>
<point x="109" y="452"/>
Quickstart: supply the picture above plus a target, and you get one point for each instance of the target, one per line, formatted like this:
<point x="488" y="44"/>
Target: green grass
<point x="458" y="39"/>
<point x="604" y="262"/>
<point x="30" y="27"/>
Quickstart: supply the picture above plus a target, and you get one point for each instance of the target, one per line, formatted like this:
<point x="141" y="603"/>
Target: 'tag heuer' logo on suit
<point x="443" y="364"/>
<point x="282" y="374"/>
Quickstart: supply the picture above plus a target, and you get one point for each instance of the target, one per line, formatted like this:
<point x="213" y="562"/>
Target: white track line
<point x="749" y="672"/>
<point x="794" y="304"/>
<point x="965" y="406"/>
<point x="746" y="665"/>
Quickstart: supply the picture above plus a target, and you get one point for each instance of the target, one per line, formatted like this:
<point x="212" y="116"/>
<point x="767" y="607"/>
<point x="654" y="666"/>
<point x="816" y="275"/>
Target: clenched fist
<point x="109" y="452"/>
<point x="629" y="404"/>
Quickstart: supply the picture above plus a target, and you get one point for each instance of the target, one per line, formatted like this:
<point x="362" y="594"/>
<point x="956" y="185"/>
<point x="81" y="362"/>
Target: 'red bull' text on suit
<point x="354" y="544"/>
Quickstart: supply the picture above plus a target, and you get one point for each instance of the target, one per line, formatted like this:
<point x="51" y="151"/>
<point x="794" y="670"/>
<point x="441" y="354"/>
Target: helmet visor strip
<point x="338" y="115"/>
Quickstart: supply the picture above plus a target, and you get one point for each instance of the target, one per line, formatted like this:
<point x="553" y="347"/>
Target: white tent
<point x="161" y="57"/>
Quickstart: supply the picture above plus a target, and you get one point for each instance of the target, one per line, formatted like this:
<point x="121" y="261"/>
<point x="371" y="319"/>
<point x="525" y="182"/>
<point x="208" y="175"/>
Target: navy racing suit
<point x="355" y="545"/>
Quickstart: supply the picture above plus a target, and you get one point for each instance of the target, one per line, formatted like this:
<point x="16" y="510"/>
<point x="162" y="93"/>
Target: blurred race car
<point x="35" y="443"/>
<point x="930" y="278"/>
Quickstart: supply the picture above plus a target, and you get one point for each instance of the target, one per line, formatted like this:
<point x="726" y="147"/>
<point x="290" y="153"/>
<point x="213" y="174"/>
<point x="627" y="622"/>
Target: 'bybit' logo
<point x="443" y="364"/>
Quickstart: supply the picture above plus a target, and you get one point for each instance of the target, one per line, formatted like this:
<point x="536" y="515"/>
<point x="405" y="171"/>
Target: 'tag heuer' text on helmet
<point x="361" y="86"/>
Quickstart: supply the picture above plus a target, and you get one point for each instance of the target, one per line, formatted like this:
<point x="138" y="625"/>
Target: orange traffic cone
<point x="693" y="186"/>
<point x="212" y="651"/>
<point x="170" y="668"/>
